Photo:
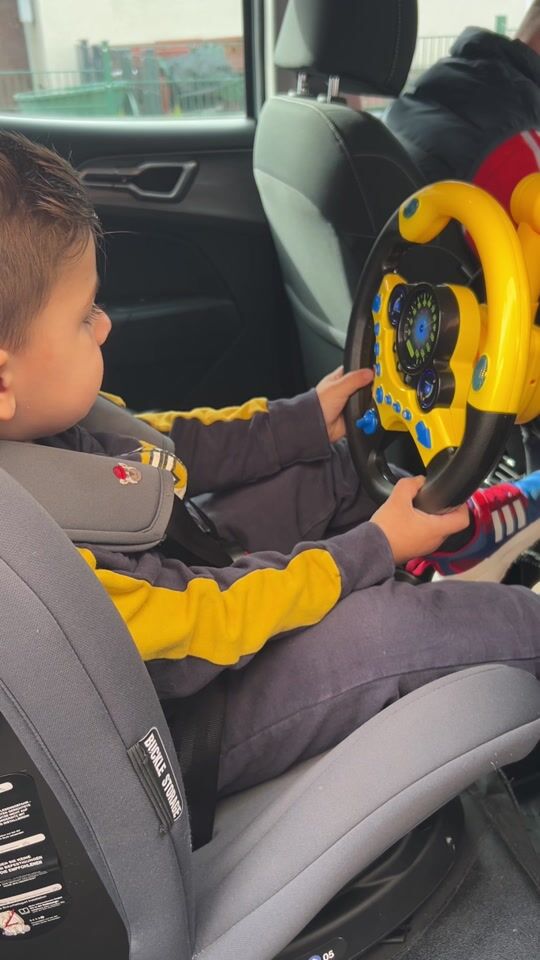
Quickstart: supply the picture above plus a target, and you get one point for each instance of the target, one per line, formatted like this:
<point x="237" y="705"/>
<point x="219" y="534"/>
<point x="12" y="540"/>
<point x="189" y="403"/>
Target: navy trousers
<point x="307" y="690"/>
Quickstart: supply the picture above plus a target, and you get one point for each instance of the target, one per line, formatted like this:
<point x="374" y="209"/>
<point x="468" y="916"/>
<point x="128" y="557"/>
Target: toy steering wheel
<point x="448" y="370"/>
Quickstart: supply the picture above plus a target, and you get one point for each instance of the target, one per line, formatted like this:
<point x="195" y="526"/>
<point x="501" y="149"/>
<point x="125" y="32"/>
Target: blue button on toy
<point x="376" y="306"/>
<point x="377" y="349"/>
<point x="368" y="423"/>
<point x="423" y="435"/>
<point x="427" y="389"/>
<point x="480" y="373"/>
<point x="378" y="369"/>
<point x="377" y="329"/>
<point x="379" y="395"/>
<point x="388" y="400"/>
<point x="410" y="208"/>
<point x="407" y="415"/>
<point x="397" y="406"/>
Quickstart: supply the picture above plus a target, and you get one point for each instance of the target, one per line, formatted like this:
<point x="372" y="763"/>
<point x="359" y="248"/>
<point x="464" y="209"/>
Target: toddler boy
<point x="313" y="630"/>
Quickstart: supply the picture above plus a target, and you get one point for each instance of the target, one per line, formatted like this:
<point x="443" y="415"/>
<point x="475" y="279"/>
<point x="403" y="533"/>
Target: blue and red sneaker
<point x="505" y="521"/>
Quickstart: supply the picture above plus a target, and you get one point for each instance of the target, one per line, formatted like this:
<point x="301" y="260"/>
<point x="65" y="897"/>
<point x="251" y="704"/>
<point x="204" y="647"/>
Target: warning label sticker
<point x="32" y="895"/>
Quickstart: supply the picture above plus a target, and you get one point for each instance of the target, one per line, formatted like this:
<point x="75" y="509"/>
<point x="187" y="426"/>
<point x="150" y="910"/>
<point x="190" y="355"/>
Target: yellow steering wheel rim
<point x="500" y="379"/>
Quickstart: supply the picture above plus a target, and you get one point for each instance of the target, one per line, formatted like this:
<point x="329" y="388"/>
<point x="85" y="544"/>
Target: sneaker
<point x="506" y="521"/>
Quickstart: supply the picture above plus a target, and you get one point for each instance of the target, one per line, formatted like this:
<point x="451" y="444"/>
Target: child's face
<point x="52" y="382"/>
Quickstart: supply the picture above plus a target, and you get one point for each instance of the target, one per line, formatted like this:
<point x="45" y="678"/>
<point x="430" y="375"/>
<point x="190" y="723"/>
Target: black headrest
<point x="368" y="44"/>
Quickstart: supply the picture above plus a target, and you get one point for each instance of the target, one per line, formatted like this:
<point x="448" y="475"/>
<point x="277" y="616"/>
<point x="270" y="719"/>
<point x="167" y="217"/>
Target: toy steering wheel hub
<point x="417" y="329"/>
<point x="426" y="322"/>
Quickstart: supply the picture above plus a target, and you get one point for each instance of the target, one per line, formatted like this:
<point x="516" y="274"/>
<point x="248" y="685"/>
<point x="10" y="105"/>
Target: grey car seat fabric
<point x="107" y="417"/>
<point x="330" y="177"/>
<point x="134" y="517"/>
<point x="75" y="692"/>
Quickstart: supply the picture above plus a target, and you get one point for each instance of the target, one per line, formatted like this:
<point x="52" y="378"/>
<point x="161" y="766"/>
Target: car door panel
<point x="191" y="281"/>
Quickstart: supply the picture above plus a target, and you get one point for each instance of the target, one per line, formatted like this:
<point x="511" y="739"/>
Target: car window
<point x="169" y="59"/>
<point x="439" y="25"/>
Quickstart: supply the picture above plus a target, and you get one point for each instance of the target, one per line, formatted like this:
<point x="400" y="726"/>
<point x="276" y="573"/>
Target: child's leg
<point x="305" y="692"/>
<point x="303" y="502"/>
<point x="309" y="501"/>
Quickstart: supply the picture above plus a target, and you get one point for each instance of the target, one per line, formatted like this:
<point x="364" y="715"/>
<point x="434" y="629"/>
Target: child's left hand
<point x="333" y="391"/>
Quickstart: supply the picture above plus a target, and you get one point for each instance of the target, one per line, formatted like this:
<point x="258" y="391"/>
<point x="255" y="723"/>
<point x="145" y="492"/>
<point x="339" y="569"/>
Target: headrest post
<point x="332" y="90"/>
<point x="302" y="88"/>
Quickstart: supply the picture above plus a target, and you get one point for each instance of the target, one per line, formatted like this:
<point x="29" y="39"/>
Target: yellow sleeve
<point x="118" y="401"/>
<point x="164" y="421"/>
<point x="221" y="623"/>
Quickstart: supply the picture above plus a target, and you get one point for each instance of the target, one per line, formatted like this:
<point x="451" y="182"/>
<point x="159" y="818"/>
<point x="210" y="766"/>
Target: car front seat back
<point x="329" y="176"/>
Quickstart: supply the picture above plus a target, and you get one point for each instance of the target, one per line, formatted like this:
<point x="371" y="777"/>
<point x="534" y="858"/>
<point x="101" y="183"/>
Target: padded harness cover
<point x="85" y="497"/>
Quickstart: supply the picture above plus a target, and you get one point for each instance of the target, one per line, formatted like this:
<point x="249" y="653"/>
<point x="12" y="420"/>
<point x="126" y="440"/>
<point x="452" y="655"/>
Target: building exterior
<point x="13" y="55"/>
<point x="53" y="28"/>
<point x="163" y="50"/>
<point x="440" y="22"/>
<point x="440" y="18"/>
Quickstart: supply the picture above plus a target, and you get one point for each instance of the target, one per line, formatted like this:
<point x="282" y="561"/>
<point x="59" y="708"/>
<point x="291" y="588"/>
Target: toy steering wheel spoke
<point x="448" y="371"/>
<point x="439" y="431"/>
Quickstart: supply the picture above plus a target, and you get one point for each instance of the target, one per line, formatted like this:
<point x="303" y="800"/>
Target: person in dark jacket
<point x="467" y="104"/>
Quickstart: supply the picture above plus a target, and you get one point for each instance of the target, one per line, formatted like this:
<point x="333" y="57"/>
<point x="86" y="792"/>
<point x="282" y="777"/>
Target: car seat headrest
<point x="368" y="44"/>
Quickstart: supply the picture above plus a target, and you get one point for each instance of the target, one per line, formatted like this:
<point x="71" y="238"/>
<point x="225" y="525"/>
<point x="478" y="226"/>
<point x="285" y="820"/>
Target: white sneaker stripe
<point x="497" y="526"/>
<point x="509" y="517"/>
<point x="520" y="514"/>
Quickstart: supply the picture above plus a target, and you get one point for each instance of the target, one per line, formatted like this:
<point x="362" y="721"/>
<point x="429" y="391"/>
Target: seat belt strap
<point x="188" y="542"/>
<point x="196" y="725"/>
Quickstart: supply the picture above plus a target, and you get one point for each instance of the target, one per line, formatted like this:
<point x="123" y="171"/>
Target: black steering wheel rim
<point x="453" y="474"/>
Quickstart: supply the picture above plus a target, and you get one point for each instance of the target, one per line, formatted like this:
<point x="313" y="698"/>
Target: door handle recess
<point x="167" y="181"/>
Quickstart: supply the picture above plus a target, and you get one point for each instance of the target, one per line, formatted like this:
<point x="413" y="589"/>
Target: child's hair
<point x="46" y="218"/>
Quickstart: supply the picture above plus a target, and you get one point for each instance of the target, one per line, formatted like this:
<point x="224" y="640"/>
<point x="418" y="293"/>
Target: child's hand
<point x="333" y="391"/>
<point x="410" y="532"/>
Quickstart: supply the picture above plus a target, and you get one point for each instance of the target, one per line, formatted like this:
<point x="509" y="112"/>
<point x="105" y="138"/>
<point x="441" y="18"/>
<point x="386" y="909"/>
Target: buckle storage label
<point x="153" y="767"/>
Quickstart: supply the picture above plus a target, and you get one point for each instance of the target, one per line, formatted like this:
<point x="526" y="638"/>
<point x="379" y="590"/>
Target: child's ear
<point x="7" y="395"/>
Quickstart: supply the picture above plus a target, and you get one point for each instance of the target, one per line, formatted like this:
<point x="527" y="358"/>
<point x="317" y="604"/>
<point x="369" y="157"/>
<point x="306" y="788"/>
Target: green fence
<point x="80" y="94"/>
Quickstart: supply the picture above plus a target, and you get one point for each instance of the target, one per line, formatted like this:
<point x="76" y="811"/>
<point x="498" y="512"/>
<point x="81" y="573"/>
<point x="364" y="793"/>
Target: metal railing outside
<point x="13" y="82"/>
<point x="79" y="93"/>
<point x="428" y="51"/>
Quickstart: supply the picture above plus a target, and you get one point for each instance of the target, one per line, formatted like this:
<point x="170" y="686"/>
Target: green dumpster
<point x="88" y="100"/>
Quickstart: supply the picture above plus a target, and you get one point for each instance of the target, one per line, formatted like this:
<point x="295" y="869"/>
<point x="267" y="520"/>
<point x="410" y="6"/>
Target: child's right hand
<point x="410" y="532"/>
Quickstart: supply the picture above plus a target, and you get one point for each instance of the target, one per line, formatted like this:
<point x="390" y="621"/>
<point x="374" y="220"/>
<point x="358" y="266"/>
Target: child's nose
<point x="103" y="328"/>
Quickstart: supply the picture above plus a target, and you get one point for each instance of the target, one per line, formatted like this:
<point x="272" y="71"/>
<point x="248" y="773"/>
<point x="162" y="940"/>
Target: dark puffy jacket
<point x="468" y="103"/>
